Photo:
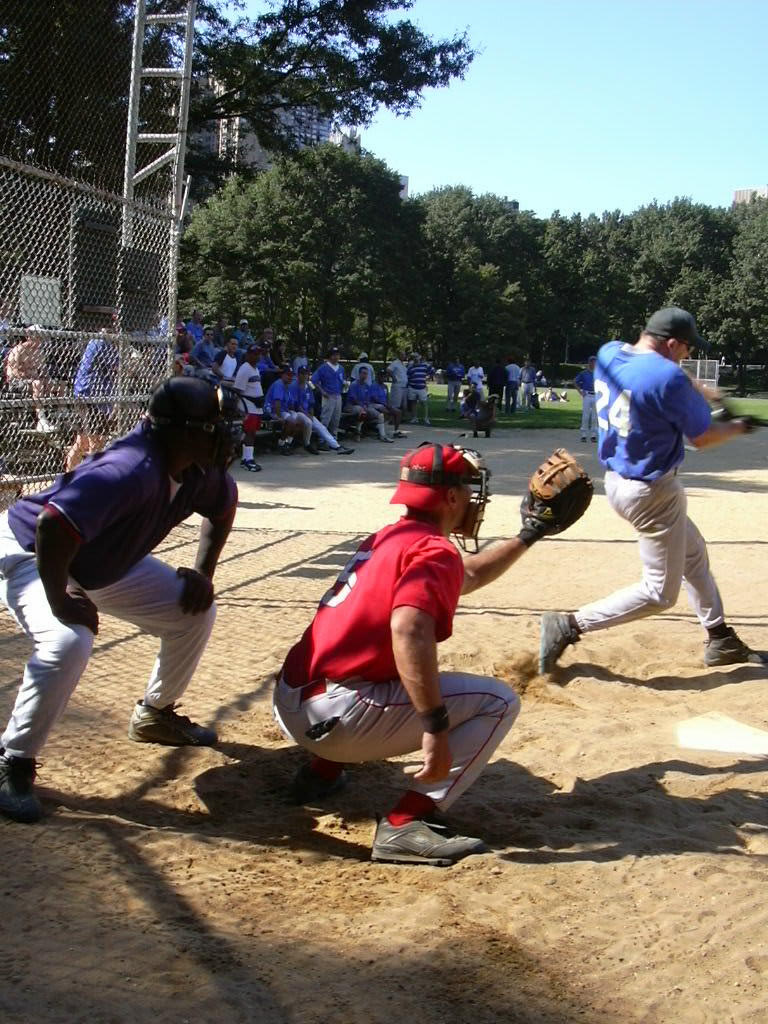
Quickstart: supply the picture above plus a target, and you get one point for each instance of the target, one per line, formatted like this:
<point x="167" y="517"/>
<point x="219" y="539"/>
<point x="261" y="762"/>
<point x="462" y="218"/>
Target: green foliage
<point x="307" y="246"/>
<point x="324" y="247"/>
<point x="331" y="58"/>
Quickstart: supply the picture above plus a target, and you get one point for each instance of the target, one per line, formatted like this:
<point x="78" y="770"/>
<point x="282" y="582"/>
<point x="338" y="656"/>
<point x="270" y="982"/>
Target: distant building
<point x="347" y="139"/>
<point x="233" y="139"/>
<point x="746" y="195"/>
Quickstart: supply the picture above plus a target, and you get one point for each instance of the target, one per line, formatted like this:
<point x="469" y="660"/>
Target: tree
<point x="320" y="240"/>
<point x="339" y="59"/>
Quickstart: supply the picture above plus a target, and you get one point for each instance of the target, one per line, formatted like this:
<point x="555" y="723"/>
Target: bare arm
<point x="56" y="545"/>
<point x="490" y="563"/>
<point x="718" y="433"/>
<point x="197" y="594"/>
<point x="415" y="650"/>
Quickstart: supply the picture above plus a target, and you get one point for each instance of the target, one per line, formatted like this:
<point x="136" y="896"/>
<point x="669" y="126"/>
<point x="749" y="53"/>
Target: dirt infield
<point x="628" y="871"/>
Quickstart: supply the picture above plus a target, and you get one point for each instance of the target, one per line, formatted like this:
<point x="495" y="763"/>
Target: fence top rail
<point x="89" y="190"/>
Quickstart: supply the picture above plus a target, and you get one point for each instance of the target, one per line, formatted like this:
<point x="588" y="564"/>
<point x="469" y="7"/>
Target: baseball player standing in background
<point x="646" y="405"/>
<point x="82" y="547"/>
<point x="585" y="385"/>
<point x="362" y="684"/>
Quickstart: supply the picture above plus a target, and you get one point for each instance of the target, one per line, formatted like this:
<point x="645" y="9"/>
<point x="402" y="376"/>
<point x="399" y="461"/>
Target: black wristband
<point x="435" y="720"/>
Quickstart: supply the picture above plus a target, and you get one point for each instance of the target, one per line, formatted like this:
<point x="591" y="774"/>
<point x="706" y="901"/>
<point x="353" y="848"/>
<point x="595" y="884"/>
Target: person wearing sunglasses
<point x="646" y="407"/>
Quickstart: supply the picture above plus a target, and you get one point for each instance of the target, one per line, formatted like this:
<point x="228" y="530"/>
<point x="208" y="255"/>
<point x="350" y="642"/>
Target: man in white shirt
<point x="362" y="361"/>
<point x="398" y="374"/>
<point x="248" y="386"/>
<point x="476" y="376"/>
<point x="512" y="387"/>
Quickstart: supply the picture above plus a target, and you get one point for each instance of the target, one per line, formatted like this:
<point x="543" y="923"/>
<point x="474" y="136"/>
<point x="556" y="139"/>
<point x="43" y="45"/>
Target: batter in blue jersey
<point x="646" y="406"/>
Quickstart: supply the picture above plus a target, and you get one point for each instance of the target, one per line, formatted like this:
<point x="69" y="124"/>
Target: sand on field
<point x="628" y="872"/>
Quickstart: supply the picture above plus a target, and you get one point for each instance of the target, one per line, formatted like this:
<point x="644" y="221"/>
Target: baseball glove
<point x="559" y="493"/>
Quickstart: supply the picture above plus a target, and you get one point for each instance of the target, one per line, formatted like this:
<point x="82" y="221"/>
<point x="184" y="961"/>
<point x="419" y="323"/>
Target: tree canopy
<point x="323" y="248"/>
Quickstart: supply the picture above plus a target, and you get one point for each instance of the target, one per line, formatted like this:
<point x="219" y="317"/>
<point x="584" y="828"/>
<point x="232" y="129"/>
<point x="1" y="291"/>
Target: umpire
<point x="82" y="547"/>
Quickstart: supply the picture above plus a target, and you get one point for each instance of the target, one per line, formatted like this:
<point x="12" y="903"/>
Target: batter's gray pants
<point x="672" y="552"/>
<point x="377" y="721"/>
<point x="148" y="596"/>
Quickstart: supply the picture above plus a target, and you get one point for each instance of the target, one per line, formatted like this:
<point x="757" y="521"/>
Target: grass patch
<point x="551" y="415"/>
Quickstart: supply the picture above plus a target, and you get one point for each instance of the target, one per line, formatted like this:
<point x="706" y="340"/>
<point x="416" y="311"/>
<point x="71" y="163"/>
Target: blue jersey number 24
<point x="619" y="412"/>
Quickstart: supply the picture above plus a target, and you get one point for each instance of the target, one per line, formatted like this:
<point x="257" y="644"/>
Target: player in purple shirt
<point x="646" y="405"/>
<point x="83" y="547"/>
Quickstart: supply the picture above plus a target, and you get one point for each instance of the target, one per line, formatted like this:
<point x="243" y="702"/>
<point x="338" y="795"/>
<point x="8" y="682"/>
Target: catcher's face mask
<point x="469" y="529"/>
<point x="431" y="467"/>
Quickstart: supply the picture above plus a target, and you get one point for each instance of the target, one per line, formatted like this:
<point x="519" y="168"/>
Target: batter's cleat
<point x="164" y="725"/>
<point x="308" y="787"/>
<point x="730" y="650"/>
<point x="422" y="842"/>
<point x="17" y="799"/>
<point x="250" y="465"/>
<point x="556" y="634"/>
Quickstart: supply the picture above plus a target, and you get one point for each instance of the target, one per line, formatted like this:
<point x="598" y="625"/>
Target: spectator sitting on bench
<point x="96" y="375"/>
<point x="359" y="404"/>
<point x="380" y="402"/>
<point x="226" y="362"/>
<point x="248" y="385"/>
<point x="304" y="402"/>
<point x="25" y="365"/>
<point x="202" y="356"/>
<point x="278" y="404"/>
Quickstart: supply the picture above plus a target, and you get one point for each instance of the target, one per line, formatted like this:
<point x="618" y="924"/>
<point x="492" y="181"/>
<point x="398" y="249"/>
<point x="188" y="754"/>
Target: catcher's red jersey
<point x="408" y="563"/>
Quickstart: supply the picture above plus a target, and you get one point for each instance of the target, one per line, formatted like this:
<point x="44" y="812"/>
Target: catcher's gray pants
<point x="148" y="596"/>
<point x="672" y="552"/>
<point x="377" y="720"/>
<point x="330" y="413"/>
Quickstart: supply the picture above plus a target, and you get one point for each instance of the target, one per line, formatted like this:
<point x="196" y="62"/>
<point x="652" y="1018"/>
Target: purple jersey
<point x="119" y="503"/>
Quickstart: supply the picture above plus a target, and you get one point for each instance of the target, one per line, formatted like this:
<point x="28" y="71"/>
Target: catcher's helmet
<point x="427" y="472"/>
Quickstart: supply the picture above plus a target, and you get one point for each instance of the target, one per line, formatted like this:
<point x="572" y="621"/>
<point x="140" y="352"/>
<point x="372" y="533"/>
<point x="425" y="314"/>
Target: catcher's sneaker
<point x="163" y="725"/>
<point x="308" y="787"/>
<point x="730" y="650"/>
<point x="17" y="800"/>
<point x="422" y="842"/>
<point x="557" y="633"/>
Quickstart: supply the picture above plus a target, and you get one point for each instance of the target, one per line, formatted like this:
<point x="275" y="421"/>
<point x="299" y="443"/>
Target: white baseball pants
<point x="148" y="596"/>
<point x="672" y="552"/>
<point x="323" y="433"/>
<point x="377" y="721"/>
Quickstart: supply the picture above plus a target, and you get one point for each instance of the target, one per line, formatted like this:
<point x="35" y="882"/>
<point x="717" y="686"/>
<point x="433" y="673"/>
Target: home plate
<point x="719" y="732"/>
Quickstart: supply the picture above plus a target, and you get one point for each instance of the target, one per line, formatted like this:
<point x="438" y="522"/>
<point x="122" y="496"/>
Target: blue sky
<point x="588" y="105"/>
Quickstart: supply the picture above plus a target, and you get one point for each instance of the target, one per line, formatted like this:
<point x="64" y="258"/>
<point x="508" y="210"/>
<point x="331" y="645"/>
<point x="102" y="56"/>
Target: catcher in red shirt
<point x="362" y="684"/>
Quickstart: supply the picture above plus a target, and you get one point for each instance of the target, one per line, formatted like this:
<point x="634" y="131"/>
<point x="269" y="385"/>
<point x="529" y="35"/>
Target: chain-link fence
<point x="87" y="245"/>
<point x="707" y="371"/>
